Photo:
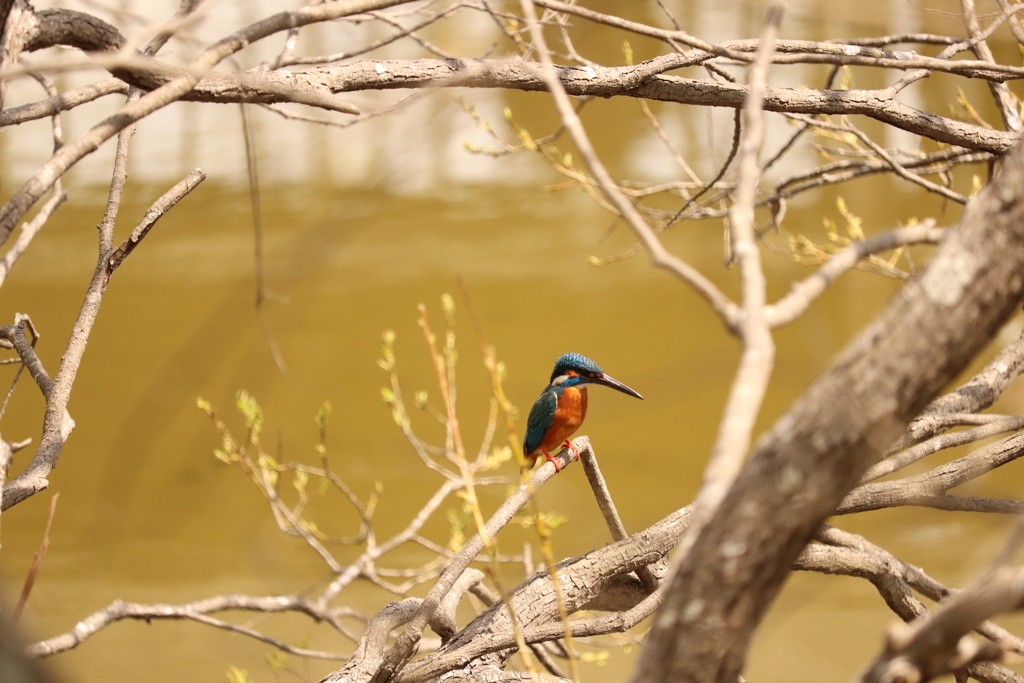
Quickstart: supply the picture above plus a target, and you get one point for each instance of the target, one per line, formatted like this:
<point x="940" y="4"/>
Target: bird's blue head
<point x="575" y="369"/>
<point x="575" y="364"/>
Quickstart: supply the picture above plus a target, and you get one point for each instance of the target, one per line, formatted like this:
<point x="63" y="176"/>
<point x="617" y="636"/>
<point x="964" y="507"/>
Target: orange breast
<point x="571" y="411"/>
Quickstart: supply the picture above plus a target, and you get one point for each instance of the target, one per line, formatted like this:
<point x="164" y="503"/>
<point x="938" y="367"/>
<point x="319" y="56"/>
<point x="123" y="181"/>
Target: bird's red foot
<point x="575" y="451"/>
<point x="552" y="459"/>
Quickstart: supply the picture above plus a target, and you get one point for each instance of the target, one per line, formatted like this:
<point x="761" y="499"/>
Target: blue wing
<point x="542" y="416"/>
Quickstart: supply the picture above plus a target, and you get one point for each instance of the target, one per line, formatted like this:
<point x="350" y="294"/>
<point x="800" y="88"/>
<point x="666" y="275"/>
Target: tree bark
<point x="845" y="421"/>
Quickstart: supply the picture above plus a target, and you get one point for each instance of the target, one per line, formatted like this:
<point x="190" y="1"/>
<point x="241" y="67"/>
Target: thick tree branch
<point x="814" y="455"/>
<point x="646" y="80"/>
<point x="584" y="581"/>
<point x="314" y="86"/>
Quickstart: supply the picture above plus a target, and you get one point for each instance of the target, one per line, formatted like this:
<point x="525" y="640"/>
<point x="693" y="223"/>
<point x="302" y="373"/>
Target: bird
<point x="562" y="406"/>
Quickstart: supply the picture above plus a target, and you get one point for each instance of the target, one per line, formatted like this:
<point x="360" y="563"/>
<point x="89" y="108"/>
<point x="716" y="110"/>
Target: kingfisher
<point x="562" y="406"/>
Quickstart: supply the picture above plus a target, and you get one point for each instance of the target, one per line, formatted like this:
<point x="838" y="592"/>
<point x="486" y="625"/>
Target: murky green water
<point x="361" y="226"/>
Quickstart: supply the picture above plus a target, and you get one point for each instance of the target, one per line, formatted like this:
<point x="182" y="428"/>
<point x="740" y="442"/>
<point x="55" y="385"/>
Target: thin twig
<point x="751" y="380"/>
<point x="257" y="225"/>
<point x="37" y="562"/>
<point x="195" y="611"/>
<point x="161" y="206"/>
<point x="608" y="509"/>
<point x="57" y="197"/>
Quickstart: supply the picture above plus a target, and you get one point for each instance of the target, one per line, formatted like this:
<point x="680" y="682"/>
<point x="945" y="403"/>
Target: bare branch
<point x="754" y="372"/>
<point x="925" y="488"/>
<point x="155" y="212"/>
<point x="975" y="395"/>
<point x="585" y="580"/>
<point x="30" y="229"/>
<point x="63" y="101"/>
<point x="646" y="80"/>
<point x="935" y="644"/>
<point x="15" y="334"/>
<point x="195" y="611"/>
<point x="1000" y="92"/>
<point x="900" y="170"/>
<point x="941" y="442"/>
<point x="57" y="424"/>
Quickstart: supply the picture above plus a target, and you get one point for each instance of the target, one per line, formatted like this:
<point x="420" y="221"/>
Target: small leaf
<point x="496" y="458"/>
<point x="527" y="140"/>
<point x="323" y="415"/>
<point x="553" y="520"/>
<point x="598" y="658"/>
<point x="236" y="675"/>
<point x="300" y="481"/>
<point x="279" y="660"/>
<point x="250" y="410"/>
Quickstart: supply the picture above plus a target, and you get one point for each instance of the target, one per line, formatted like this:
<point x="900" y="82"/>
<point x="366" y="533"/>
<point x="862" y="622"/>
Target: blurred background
<point x="361" y="225"/>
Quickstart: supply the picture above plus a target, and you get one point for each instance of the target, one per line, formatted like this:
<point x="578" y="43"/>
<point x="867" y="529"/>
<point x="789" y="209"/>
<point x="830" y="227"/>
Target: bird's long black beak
<point x="615" y="384"/>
